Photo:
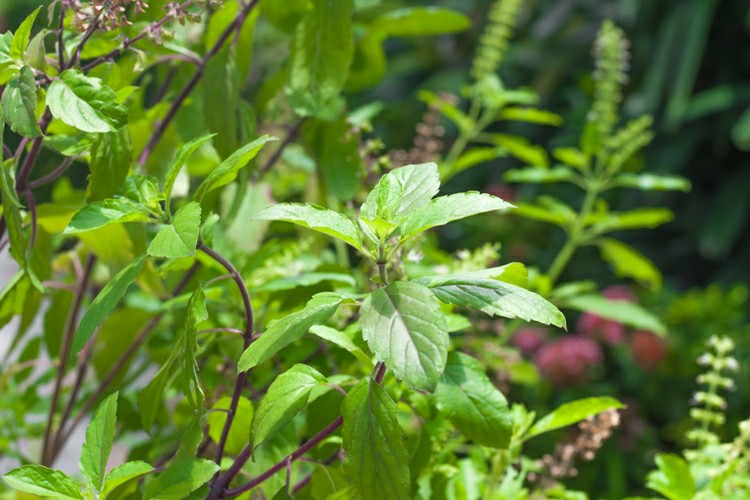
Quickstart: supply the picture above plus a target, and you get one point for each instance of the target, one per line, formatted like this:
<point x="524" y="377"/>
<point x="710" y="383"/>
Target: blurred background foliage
<point x="690" y="70"/>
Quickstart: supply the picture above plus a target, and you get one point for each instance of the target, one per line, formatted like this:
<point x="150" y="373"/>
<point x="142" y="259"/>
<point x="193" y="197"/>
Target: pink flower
<point x="529" y="339"/>
<point x="568" y="360"/>
<point x="648" y="349"/>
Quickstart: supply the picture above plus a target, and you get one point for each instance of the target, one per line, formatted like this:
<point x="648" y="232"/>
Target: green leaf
<point x="342" y="340"/>
<point x="463" y="121"/>
<point x="286" y="397"/>
<point x="8" y="67"/>
<point x="475" y="156"/>
<point x="100" y="435"/>
<point x="467" y="397"/>
<point x="12" y="210"/>
<point x="494" y="297"/>
<point x="377" y="460"/>
<point x="571" y="413"/>
<point x="630" y="263"/>
<point x="151" y="398"/>
<point x="19" y="104"/>
<point x="111" y="154"/>
<point x="104" y="212"/>
<point x="180" y="479"/>
<point x="573" y="157"/>
<point x="178" y="162"/>
<point x="105" y="302"/>
<point x="627" y="313"/>
<point x="539" y="175"/>
<point x="196" y="313"/>
<point x="445" y="209"/>
<point x="285" y="15"/>
<point x="338" y="158"/>
<point x="284" y="331"/>
<point x="86" y="103"/>
<point x="420" y="21"/>
<point x="40" y="480"/>
<point x="227" y="170"/>
<point x="402" y="191"/>
<point x="304" y="280"/>
<point x="673" y="479"/>
<point x="549" y="214"/>
<point x="322" y="52"/>
<point x="122" y="474"/>
<point x="179" y="238"/>
<point x="239" y="432"/>
<point x="143" y="189"/>
<point x="23" y="35"/>
<point x="405" y="328"/>
<point x="651" y="182"/>
<point x="521" y="148"/>
<point x="221" y="94"/>
<point x="640" y="218"/>
<point x="316" y="218"/>
<point x="530" y="115"/>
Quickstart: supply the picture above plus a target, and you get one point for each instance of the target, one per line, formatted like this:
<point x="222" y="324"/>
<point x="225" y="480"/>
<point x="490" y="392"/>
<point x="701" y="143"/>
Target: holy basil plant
<point x="161" y="296"/>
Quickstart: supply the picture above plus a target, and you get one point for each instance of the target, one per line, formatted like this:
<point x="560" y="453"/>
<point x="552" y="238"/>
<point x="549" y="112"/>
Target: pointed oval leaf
<point x="105" y="302"/>
<point x="377" y="460"/>
<point x="179" y="238"/>
<point x="100" y="435"/>
<point x="122" y="474"/>
<point x="627" y="313"/>
<point x="630" y="263"/>
<point x="402" y="191"/>
<point x="178" y="162"/>
<point x="111" y="154"/>
<point x="651" y="182"/>
<point x="405" y="328"/>
<point x="342" y="340"/>
<point x="571" y="413"/>
<point x="316" y="218"/>
<point x="86" y="103"/>
<point x="19" y="104"/>
<point x="180" y="479"/>
<point x="494" y="297"/>
<point x="322" y="52"/>
<point x="284" y="331"/>
<point x="286" y="397"/>
<point x="104" y="212"/>
<point x="23" y="35"/>
<point x="420" y="21"/>
<point x="467" y="397"/>
<point x="227" y="170"/>
<point x="43" y="481"/>
<point x="446" y="209"/>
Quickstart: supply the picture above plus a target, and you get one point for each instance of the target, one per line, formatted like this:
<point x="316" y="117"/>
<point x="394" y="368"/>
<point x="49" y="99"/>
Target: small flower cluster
<point x="592" y="433"/>
<point x="710" y="405"/>
<point x="428" y="142"/>
<point x="107" y="15"/>
<point x="569" y="359"/>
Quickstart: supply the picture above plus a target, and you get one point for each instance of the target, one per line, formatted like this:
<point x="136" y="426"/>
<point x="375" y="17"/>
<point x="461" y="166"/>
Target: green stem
<point x="574" y="236"/>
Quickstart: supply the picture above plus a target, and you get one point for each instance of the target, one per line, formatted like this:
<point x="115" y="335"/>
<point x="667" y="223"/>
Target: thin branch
<point x="123" y="360"/>
<point x="290" y="136"/>
<point x="7" y="151"/>
<point x="247" y="339"/>
<point x="129" y="42"/>
<point x="52" y="175"/>
<point x="296" y="454"/>
<point x="83" y="363"/>
<point x="36" y="146"/>
<point x="303" y="482"/>
<point x="64" y="355"/>
<point x="178" y="102"/>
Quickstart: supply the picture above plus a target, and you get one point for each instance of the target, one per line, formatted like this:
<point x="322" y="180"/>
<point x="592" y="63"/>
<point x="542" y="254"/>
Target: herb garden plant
<point x="156" y="160"/>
